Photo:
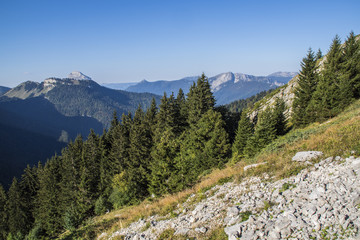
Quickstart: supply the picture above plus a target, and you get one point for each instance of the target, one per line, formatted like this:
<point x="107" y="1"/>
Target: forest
<point x="167" y="147"/>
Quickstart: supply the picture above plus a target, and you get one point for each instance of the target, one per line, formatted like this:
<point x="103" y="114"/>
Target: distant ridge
<point x="227" y="87"/>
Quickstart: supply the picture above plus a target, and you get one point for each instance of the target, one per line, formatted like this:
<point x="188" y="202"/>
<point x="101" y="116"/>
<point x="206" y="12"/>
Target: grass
<point x="336" y="137"/>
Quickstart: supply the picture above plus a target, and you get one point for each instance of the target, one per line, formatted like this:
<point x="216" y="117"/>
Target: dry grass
<point x="337" y="136"/>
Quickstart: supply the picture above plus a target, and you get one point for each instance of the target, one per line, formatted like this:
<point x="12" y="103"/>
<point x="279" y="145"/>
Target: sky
<point x="131" y="40"/>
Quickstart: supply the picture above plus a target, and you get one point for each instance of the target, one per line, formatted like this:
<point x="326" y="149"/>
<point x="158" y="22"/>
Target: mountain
<point x="161" y="86"/>
<point x="81" y="96"/>
<point x="3" y="90"/>
<point x="39" y="118"/>
<point x="119" y="86"/>
<point x="78" y="76"/>
<point x="227" y="87"/>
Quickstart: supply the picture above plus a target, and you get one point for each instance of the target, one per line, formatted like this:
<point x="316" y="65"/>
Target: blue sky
<point x="131" y="40"/>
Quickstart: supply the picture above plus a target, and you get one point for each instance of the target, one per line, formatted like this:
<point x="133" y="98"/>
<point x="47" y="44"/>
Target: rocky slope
<point x="285" y="93"/>
<point x="321" y="202"/>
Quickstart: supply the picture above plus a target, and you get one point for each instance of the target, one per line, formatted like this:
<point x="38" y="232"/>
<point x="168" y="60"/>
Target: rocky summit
<point x="321" y="202"/>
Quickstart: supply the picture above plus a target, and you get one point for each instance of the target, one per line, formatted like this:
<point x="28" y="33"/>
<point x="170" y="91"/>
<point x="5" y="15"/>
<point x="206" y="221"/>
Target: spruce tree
<point x="29" y="186"/>
<point x="163" y="163"/>
<point x="49" y="210"/>
<point x="265" y="133"/>
<point x="87" y="193"/>
<point x="181" y="103"/>
<point x="199" y="99"/>
<point x="204" y="146"/>
<point x="165" y="145"/>
<point x="307" y="81"/>
<point x="71" y="171"/>
<point x="137" y="168"/>
<point x="351" y="66"/>
<point x="279" y="117"/>
<point x="244" y="132"/>
<point x="16" y="209"/>
<point x="3" y="214"/>
<point x="332" y="91"/>
<point x="319" y="54"/>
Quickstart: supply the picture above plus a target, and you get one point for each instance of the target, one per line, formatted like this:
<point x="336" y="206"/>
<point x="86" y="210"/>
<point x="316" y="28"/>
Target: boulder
<point x="307" y="156"/>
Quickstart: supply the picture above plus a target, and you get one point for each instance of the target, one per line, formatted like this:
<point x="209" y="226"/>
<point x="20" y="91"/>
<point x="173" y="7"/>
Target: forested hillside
<point x="167" y="149"/>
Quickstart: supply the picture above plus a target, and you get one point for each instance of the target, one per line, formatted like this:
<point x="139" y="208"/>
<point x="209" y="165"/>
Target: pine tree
<point x="279" y="117"/>
<point x="332" y="92"/>
<point x="308" y="79"/>
<point x="114" y="121"/>
<point x="150" y="117"/>
<point x="244" y="132"/>
<point x="352" y="64"/>
<point x="29" y="186"/>
<point x="105" y="168"/>
<point x="3" y="214"/>
<point x="319" y="54"/>
<point x="16" y="209"/>
<point x="48" y="212"/>
<point x="87" y="193"/>
<point x="137" y="169"/>
<point x="163" y="165"/>
<point x="181" y="103"/>
<point x="71" y="172"/>
<point x="204" y="146"/>
<point x="199" y="99"/>
<point x="118" y="138"/>
<point x="265" y="133"/>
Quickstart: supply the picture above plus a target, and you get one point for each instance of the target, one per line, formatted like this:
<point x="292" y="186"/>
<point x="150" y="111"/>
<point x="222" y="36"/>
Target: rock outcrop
<point x="321" y="202"/>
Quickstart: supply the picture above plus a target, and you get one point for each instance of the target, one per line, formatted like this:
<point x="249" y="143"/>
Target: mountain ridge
<point x="227" y="87"/>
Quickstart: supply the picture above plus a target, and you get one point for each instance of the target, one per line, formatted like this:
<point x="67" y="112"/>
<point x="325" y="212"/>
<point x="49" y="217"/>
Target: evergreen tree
<point x="29" y="186"/>
<point x="204" y="146"/>
<point x="308" y="79"/>
<point x="199" y="99"/>
<point x="279" y="117"/>
<point x="331" y="92"/>
<point x="163" y="165"/>
<point x="352" y="64"/>
<point x="105" y="166"/>
<point x="265" y="133"/>
<point x="168" y="128"/>
<point x="87" y="193"/>
<point x="114" y="121"/>
<point x="181" y="103"/>
<point x="319" y="54"/>
<point x="120" y="144"/>
<point x="71" y="176"/>
<point x="16" y="209"/>
<point x="150" y="117"/>
<point x="244" y="132"/>
<point x="137" y="168"/>
<point x="3" y="214"/>
<point x="48" y="212"/>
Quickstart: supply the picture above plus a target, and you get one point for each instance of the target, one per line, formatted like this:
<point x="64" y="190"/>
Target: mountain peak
<point x="78" y="76"/>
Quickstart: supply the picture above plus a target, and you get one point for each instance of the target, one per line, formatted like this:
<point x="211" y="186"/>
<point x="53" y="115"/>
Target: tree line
<point x="166" y="148"/>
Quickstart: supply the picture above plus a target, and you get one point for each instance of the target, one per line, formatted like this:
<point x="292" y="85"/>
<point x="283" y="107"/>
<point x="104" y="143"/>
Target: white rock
<point x="307" y="156"/>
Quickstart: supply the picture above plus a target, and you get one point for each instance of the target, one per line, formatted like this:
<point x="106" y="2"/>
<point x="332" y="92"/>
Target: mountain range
<point x="227" y="87"/>
<point x="43" y="117"/>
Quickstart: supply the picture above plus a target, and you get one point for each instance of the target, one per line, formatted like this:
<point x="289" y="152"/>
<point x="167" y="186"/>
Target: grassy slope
<point x="338" y="136"/>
